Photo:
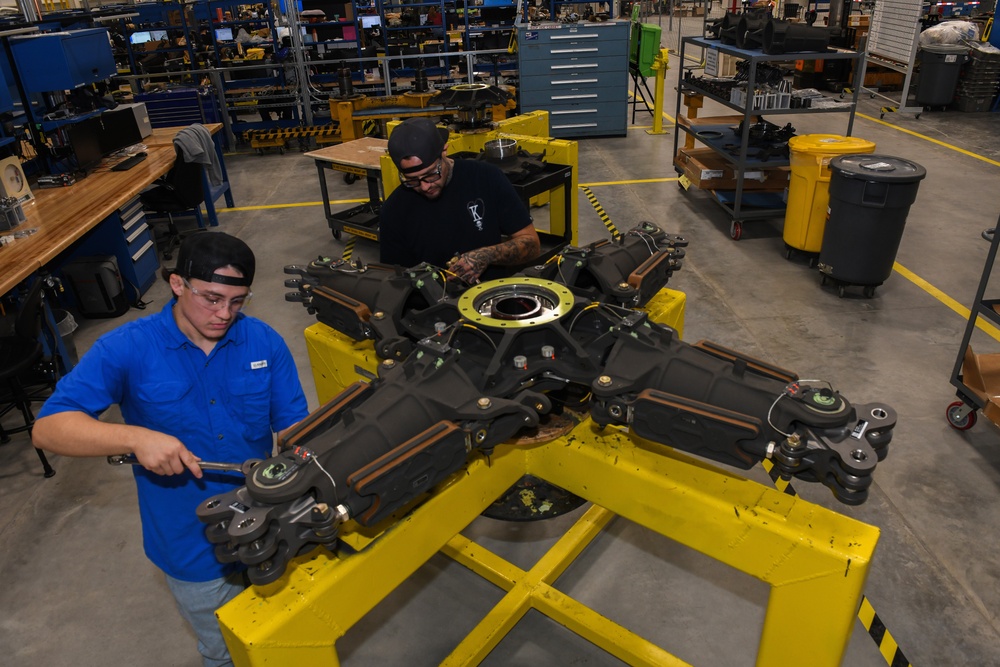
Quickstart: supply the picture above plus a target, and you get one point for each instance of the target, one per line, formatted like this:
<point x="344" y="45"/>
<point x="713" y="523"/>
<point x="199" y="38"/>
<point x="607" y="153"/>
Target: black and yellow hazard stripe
<point x="887" y="646"/>
<point x="783" y="485"/>
<point x="349" y="248"/>
<point x="290" y="132"/>
<point x="369" y="127"/>
<point x="601" y="212"/>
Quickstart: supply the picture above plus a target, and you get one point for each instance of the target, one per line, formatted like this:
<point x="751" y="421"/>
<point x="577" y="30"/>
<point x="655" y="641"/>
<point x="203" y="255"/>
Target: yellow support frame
<point x="815" y="560"/>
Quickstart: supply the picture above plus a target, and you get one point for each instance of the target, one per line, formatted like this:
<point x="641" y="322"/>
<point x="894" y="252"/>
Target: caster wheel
<point x="871" y="95"/>
<point x="813" y="261"/>
<point x="841" y="291"/>
<point x="822" y="280"/>
<point x="337" y="234"/>
<point x="843" y="94"/>
<point x="788" y="253"/>
<point x="917" y="117"/>
<point x="869" y="292"/>
<point x="350" y="179"/>
<point x="736" y="230"/>
<point x="958" y="421"/>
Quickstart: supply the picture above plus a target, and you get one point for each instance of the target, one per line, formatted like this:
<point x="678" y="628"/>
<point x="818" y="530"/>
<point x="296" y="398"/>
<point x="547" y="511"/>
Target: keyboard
<point x="129" y="162"/>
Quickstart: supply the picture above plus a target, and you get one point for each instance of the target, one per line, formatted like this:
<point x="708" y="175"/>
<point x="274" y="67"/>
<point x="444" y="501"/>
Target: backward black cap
<point x="417" y="137"/>
<point x="202" y="254"/>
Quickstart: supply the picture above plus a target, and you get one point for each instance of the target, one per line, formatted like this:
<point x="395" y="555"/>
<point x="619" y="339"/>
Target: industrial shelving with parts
<point x="158" y="38"/>
<point x="732" y="144"/>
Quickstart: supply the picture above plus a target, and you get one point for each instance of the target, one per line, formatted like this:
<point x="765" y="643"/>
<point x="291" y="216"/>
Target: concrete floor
<point x="77" y="589"/>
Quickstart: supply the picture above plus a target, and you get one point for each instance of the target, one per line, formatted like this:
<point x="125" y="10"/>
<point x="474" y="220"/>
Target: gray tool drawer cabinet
<point x="578" y="72"/>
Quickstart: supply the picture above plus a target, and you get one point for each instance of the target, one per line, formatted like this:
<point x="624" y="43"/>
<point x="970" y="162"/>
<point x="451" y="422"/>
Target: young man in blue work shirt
<point x="463" y="214"/>
<point x="199" y="380"/>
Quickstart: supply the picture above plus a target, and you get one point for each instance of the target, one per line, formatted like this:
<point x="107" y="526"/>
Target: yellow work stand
<point x="815" y="560"/>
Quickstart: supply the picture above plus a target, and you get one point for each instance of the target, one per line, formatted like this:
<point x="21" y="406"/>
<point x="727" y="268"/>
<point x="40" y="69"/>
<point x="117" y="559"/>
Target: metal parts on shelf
<point x="765" y="141"/>
<point x="755" y="29"/>
<point x="467" y="369"/>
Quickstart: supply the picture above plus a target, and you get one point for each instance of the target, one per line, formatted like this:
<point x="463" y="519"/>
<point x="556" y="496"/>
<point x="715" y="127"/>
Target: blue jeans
<point x="197" y="602"/>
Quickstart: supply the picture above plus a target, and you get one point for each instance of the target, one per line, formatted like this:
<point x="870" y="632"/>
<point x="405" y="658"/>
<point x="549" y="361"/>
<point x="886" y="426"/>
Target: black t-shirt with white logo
<point x="476" y="208"/>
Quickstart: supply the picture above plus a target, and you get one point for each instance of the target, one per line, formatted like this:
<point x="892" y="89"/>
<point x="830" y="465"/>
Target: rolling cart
<point x="976" y="377"/>
<point x="356" y="159"/>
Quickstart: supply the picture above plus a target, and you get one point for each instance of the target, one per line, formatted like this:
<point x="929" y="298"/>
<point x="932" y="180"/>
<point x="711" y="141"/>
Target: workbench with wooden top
<point x="100" y="214"/>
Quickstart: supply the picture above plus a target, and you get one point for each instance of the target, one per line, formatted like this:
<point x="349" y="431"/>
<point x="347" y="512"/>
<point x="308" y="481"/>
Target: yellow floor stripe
<point x="933" y="141"/>
<point x="964" y="312"/>
<point x="630" y="182"/>
<point x="264" y="207"/>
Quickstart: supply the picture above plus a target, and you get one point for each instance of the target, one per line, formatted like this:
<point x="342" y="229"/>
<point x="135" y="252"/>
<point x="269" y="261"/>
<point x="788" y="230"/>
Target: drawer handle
<point x="582" y="66"/>
<point x="576" y="36"/>
<point x="573" y="97"/>
<point x="563" y="113"/>
<point x="593" y="50"/>
<point x="137" y="233"/>
<point x="138" y="217"/>
<point x="571" y="126"/>
<point x="572" y="81"/>
<point x="142" y="251"/>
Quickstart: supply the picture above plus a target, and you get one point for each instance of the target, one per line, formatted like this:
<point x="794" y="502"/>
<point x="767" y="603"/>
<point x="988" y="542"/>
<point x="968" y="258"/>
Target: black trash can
<point x="870" y="197"/>
<point x="940" y="66"/>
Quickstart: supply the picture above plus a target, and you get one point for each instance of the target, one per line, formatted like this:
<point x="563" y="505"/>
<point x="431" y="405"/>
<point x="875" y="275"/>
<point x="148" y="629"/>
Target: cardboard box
<point x="981" y="374"/>
<point x="708" y="170"/>
<point x="858" y="21"/>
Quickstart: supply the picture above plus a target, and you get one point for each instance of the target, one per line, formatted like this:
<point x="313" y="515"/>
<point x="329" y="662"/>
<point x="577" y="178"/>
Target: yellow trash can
<point x="809" y="186"/>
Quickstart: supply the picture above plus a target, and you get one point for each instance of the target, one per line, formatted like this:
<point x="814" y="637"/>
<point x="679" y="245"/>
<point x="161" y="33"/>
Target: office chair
<point x="19" y="355"/>
<point x="180" y="191"/>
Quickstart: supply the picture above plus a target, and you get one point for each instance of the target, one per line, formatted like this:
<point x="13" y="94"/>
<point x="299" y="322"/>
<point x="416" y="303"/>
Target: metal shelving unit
<point x="737" y="203"/>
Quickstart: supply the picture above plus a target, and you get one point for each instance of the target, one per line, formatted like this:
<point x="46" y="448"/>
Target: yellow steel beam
<point x="815" y="560"/>
<point x="533" y="589"/>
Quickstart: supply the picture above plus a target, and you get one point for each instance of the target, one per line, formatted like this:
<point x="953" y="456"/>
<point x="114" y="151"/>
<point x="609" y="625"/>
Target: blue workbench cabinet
<point x="63" y="60"/>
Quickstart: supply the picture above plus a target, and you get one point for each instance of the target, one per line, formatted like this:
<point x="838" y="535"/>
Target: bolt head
<point x="604" y="381"/>
<point x="483" y="403"/>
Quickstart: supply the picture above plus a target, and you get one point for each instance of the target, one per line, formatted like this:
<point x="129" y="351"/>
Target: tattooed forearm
<point x="513" y="251"/>
<point x="516" y="250"/>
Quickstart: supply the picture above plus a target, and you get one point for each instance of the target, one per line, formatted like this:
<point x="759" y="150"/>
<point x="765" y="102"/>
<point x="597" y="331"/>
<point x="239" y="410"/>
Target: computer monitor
<point x="117" y="131"/>
<point x="223" y="34"/>
<point x="157" y="35"/>
<point x="371" y="21"/>
<point x="85" y="140"/>
<point x="140" y="37"/>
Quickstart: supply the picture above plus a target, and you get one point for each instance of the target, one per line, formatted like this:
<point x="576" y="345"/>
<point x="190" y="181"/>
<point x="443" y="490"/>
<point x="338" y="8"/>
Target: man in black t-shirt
<point x="459" y="214"/>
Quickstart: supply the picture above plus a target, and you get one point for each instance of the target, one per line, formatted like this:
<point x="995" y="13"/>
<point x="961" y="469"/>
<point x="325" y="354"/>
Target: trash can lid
<point x="828" y="143"/>
<point x="949" y="49"/>
<point x="879" y="168"/>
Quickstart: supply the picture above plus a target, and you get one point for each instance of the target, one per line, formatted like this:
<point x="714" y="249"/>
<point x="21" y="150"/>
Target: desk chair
<point x="180" y="191"/>
<point x="19" y="355"/>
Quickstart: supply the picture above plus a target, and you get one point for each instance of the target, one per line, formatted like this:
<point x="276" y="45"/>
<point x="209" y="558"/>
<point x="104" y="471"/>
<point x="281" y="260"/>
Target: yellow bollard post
<point x="660" y="67"/>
